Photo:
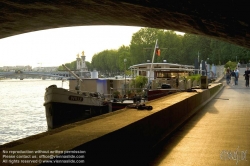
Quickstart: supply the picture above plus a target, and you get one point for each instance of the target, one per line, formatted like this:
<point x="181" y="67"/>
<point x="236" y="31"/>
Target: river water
<point x="22" y="113"/>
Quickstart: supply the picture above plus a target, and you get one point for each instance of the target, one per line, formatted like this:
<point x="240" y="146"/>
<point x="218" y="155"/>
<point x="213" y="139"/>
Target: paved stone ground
<point x="219" y="134"/>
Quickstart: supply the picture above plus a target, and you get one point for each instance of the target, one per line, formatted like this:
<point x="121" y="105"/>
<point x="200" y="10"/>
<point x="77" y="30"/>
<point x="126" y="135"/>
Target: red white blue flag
<point x="157" y="50"/>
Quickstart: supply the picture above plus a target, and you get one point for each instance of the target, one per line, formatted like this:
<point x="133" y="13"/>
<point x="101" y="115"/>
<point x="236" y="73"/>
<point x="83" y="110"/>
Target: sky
<point x="55" y="47"/>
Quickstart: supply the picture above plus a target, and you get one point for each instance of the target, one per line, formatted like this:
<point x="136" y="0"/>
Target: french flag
<point x="157" y="50"/>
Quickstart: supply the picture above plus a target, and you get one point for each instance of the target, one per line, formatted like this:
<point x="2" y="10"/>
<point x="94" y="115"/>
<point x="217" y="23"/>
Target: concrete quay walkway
<point x="219" y="134"/>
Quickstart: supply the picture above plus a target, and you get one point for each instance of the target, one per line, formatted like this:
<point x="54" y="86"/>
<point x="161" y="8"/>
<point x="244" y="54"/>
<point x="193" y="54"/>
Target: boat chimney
<point x="94" y="74"/>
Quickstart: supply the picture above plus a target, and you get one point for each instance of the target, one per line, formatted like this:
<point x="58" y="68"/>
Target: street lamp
<point x="125" y="61"/>
<point x="208" y="68"/>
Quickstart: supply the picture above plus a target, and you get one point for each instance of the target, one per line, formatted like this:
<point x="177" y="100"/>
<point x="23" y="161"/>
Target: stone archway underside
<point x="225" y="21"/>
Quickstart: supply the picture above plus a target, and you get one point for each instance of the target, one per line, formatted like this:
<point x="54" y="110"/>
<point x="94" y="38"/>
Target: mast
<point x="72" y="72"/>
<point x="78" y="78"/>
<point x="152" y="63"/>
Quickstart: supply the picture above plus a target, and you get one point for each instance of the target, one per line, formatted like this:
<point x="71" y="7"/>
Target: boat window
<point x="142" y="73"/>
<point x="163" y="74"/>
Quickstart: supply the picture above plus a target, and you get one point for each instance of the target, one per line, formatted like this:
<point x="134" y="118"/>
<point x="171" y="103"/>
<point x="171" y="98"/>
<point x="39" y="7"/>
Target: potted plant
<point x="116" y="94"/>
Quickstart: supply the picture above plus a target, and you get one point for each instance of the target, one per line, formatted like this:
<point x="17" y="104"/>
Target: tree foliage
<point x="174" y="48"/>
<point x="231" y="65"/>
<point x="71" y="66"/>
<point x="111" y="62"/>
<point x="140" y="81"/>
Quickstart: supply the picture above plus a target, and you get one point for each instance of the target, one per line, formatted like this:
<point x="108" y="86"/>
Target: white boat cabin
<point x="162" y="73"/>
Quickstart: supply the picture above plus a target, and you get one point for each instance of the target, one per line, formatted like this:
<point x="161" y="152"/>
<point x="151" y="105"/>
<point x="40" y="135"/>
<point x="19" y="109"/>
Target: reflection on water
<point x="22" y="113"/>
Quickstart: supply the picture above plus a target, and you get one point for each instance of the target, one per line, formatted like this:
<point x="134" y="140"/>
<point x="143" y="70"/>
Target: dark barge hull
<point x="118" y="106"/>
<point x="157" y="93"/>
<point x="152" y="94"/>
<point x="59" y="114"/>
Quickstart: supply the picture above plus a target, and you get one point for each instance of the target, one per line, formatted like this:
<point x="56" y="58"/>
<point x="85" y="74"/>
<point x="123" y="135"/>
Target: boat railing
<point x="126" y="93"/>
<point x="88" y="93"/>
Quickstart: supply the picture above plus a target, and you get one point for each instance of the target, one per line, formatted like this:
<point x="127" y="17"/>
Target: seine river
<point x="21" y="107"/>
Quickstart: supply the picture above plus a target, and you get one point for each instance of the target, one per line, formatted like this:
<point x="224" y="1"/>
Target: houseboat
<point x="89" y="97"/>
<point x="92" y="96"/>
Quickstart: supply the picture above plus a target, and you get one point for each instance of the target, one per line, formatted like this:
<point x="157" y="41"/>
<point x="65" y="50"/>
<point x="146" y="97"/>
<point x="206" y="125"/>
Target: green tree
<point x="123" y="53"/>
<point x="89" y="66"/>
<point x="143" y="43"/>
<point x="140" y="82"/>
<point x="71" y="66"/>
<point x="174" y="48"/>
<point x="170" y="45"/>
<point x="231" y="65"/>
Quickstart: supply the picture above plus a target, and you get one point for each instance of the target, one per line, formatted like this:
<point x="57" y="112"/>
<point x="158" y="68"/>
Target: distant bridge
<point x="22" y="74"/>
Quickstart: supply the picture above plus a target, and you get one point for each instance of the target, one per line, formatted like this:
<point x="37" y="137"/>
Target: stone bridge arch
<point x="226" y="20"/>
